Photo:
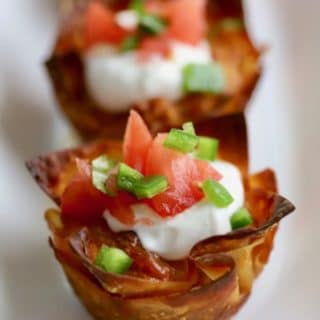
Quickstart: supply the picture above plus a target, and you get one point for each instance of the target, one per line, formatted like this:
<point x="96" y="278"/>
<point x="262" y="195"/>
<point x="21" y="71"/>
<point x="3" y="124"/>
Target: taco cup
<point x="96" y="82"/>
<point x="181" y="277"/>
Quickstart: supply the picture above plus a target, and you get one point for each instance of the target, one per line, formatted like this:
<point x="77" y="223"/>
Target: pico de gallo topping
<point x="146" y="25"/>
<point x="169" y="173"/>
<point x="150" y="49"/>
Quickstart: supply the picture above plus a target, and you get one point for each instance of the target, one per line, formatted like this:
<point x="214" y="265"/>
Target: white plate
<point x="284" y="134"/>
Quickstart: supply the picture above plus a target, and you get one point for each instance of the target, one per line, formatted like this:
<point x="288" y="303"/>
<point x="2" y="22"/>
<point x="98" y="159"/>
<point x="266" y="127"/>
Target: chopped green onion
<point x="189" y="128"/>
<point x="216" y="193"/>
<point x="127" y="177"/>
<point x="240" y="219"/>
<point x="181" y="141"/>
<point x="99" y="181"/>
<point x="152" y="24"/>
<point x="207" y="149"/>
<point x="149" y="187"/>
<point x="137" y="5"/>
<point x="130" y="43"/>
<point x="102" y="163"/>
<point x="113" y="260"/>
<point x="206" y="78"/>
<point x="101" y="167"/>
<point x="148" y="23"/>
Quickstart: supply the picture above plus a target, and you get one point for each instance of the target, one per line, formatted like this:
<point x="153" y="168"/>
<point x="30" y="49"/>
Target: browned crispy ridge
<point x="232" y="48"/>
<point x="211" y="284"/>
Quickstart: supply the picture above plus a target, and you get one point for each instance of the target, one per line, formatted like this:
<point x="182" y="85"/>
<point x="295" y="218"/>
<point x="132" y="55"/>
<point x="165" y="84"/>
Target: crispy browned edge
<point x="66" y="72"/>
<point x="191" y="305"/>
<point x="249" y="249"/>
<point x="215" y="301"/>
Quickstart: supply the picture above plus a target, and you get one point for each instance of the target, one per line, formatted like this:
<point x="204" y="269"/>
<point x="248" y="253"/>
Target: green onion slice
<point x="113" y="260"/>
<point x="137" y="5"/>
<point x="207" y="149"/>
<point x="133" y="181"/>
<point x="101" y="167"/>
<point x="240" y="219"/>
<point x="189" y="128"/>
<point x="127" y="177"/>
<point x="203" y="78"/>
<point x="152" y="24"/>
<point x="149" y="23"/>
<point x="181" y="141"/>
<point x="149" y="187"/>
<point x="216" y="193"/>
<point x="130" y="43"/>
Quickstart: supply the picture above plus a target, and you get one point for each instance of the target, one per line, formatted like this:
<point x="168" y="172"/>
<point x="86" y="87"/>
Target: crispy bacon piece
<point x="133" y="284"/>
<point x="232" y="48"/>
<point x="212" y="283"/>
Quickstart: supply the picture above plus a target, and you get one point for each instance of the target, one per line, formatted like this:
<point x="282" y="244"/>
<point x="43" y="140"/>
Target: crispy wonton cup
<point x="231" y="47"/>
<point x="221" y="269"/>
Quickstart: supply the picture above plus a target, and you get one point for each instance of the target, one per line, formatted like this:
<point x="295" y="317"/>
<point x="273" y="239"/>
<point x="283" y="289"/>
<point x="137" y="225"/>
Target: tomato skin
<point x="137" y="140"/>
<point x="184" y="176"/>
<point x="156" y="45"/>
<point x="101" y="27"/>
<point x="156" y="7"/>
<point x="205" y="170"/>
<point x="81" y="201"/>
<point x="120" y="208"/>
<point x="186" y="23"/>
<point x="187" y="20"/>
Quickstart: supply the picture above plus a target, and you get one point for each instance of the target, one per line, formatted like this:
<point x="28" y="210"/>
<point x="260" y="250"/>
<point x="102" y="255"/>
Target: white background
<point x="284" y="127"/>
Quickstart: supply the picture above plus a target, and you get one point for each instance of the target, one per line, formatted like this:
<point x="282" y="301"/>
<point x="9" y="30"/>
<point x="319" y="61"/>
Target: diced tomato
<point x="156" y="7"/>
<point x="186" y="23"/>
<point x="120" y="208"/>
<point x="82" y="202"/>
<point x="205" y="170"/>
<point x="187" y="20"/>
<point x="154" y="45"/>
<point x="183" y="173"/>
<point x="101" y="27"/>
<point x="137" y="140"/>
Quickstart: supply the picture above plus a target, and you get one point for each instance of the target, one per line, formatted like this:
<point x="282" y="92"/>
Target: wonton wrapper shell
<point x="233" y="49"/>
<point x="244" y="252"/>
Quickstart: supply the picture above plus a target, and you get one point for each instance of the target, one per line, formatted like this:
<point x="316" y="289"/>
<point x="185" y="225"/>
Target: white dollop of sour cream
<point x="127" y="19"/>
<point x="118" y="80"/>
<point x="173" y="238"/>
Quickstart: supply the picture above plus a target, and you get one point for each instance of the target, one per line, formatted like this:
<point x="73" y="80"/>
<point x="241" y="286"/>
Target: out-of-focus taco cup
<point x="216" y="278"/>
<point x="231" y="46"/>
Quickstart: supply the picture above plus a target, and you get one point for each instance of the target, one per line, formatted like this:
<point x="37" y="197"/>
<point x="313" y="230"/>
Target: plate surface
<point x="284" y="134"/>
